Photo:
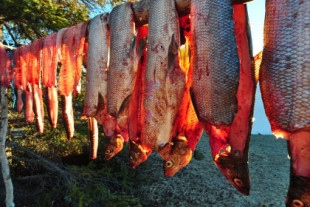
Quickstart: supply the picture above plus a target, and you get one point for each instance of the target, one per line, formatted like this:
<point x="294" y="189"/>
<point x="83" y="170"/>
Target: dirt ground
<point x="201" y="183"/>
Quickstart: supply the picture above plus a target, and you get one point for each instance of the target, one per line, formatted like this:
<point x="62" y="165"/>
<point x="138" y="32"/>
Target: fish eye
<point x="238" y="182"/>
<point x="169" y="163"/>
<point x="298" y="203"/>
<point x="108" y="151"/>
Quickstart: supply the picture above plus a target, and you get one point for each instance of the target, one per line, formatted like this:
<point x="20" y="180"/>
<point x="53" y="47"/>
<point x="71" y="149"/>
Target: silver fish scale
<point x="164" y="86"/>
<point x="123" y="64"/>
<point x="215" y="63"/>
<point x="285" y="69"/>
<point x="97" y="68"/>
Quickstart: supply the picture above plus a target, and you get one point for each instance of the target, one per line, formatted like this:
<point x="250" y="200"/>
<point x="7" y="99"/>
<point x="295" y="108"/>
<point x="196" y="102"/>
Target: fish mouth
<point x="236" y="170"/>
<point x="299" y="192"/>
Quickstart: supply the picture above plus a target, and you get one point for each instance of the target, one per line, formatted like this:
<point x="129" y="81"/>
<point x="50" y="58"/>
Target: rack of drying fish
<point x="159" y="72"/>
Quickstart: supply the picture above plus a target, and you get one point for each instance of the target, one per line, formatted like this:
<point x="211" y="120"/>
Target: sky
<point x="256" y="11"/>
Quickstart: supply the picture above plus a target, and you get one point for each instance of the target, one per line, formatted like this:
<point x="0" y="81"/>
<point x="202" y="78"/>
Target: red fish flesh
<point x="38" y="106"/>
<point x="20" y="103"/>
<point x="49" y="57"/>
<point x="67" y="73"/>
<point x="6" y="74"/>
<point x="29" y="113"/>
<point x="34" y="65"/>
<point x="3" y="57"/>
<point x="138" y="153"/>
<point x="52" y="105"/>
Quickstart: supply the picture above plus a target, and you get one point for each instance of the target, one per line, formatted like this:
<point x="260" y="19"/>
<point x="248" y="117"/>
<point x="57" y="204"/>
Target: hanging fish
<point x="3" y="57"/>
<point x="38" y="106"/>
<point x="67" y="115"/>
<point x="93" y="137"/>
<point x="187" y="128"/>
<point x="113" y="145"/>
<point x="230" y="146"/>
<point x="223" y="90"/>
<point x="59" y="41"/>
<point x="138" y="153"/>
<point x="17" y="72"/>
<point x="79" y="41"/>
<point x="285" y="86"/>
<point x="6" y="74"/>
<point x="34" y="65"/>
<point x="52" y="105"/>
<point x="123" y="58"/>
<point x="49" y="60"/>
<point x="67" y="72"/>
<point x="20" y="103"/>
<point x="97" y="67"/>
<point x="179" y="156"/>
<point x="29" y="113"/>
<point x="215" y="62"/>
<point x="164" y="80"/>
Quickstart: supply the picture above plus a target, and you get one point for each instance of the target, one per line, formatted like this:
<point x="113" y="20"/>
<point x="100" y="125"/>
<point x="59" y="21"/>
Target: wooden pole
<point x="141" y="9"/>
<point x="9" y="198"/>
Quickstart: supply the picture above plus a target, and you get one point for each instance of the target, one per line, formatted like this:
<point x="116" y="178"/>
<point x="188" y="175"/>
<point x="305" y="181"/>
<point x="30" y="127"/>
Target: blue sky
<point x="256" y="11"/>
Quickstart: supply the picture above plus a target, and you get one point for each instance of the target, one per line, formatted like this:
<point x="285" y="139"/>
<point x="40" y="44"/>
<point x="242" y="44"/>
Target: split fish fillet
<point x="52" y="105"/>
<point x="34" y="66"/>
<point x="67" y="73"/>
<point x="216" y="64"/>
<point x="49" y="57"/>
<point x="6" y="74"/>
<point x="38" y="106"/>
<point x="67" y="115"/>
<point x="71" y="58"/>
<point x="93" y="137"/>
<point x="24" y="64"/>
<point x="285" y="86"/>
<point x="17" y="72"/>
<point x="3" y="57"/>
<point x="164" y="80"/>
<point x="20" y="103"/>
<point x="29" y="113"/>
<point x="79" y="50"/>
<point x="59" y="41"/>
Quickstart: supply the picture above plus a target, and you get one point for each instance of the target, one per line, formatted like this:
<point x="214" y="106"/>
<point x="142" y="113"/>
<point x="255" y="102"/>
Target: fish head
<point x="236" y="170"/>
<point x="299" y="192"/>
<point x="137" y="153"/>
<point x="113" y="145"/>
<point x="180" y="156"/>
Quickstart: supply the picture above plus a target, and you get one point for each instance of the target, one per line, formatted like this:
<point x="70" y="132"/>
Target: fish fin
<point x="193" y="102"/>
<point x="165" y="150"/>
<point x="133" y="46"/>
<point x="124" y="105"/>
<point x="141" y="48"/>
<point x="172" y="52"/>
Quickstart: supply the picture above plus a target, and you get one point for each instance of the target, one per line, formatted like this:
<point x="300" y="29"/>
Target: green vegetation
<point x="48" y="170"/>
<point x="33" y="19"/>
